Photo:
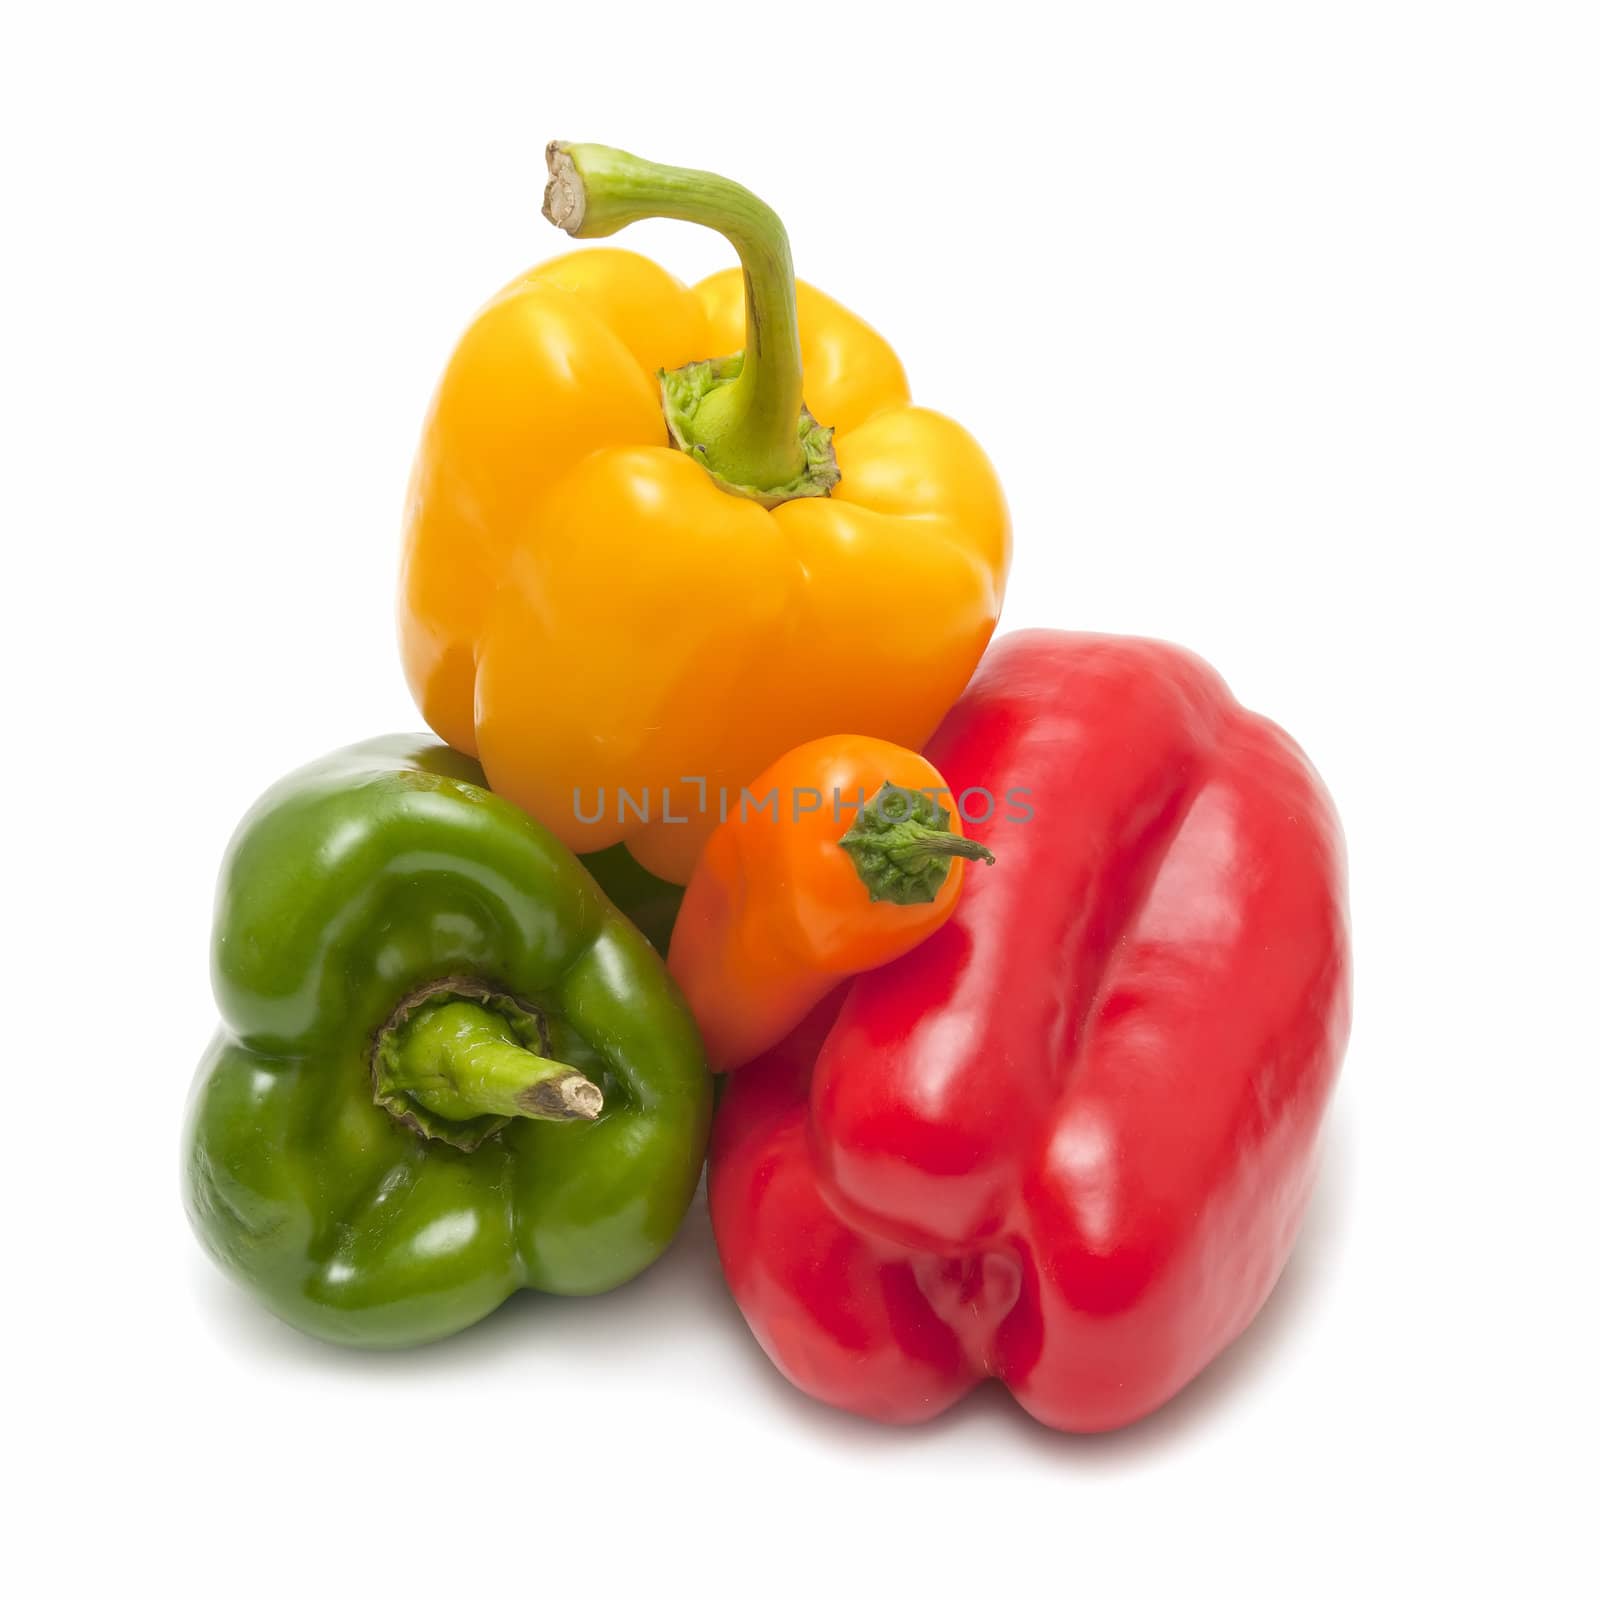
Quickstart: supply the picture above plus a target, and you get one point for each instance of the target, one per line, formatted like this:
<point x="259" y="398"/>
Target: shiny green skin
<point x="352" y="884"/>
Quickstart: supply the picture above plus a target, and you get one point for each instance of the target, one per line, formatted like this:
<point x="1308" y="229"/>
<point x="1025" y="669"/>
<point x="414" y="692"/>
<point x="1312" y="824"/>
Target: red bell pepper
<point x="1068" y="1141"/>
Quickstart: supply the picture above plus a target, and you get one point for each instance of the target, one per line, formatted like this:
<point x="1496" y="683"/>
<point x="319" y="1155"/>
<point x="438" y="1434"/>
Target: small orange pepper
<point x="838" y="858"/>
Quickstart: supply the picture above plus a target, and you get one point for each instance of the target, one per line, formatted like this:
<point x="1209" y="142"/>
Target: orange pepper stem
<point x="901" y="846"/>
<point x="932" y="846"/>
<point x="743" y="416"/>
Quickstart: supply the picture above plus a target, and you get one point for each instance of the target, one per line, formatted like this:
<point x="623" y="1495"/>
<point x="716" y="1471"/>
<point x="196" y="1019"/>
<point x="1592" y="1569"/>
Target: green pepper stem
<point x="747" y="430"/>
<point x="460" y="1060"/>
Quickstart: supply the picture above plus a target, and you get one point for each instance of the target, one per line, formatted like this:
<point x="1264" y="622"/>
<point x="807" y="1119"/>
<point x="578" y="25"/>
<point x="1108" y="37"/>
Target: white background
<point x="1282" y="325"/>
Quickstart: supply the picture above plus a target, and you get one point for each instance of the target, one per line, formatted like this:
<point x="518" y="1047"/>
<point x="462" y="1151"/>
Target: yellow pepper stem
<point x="743" y="417"/>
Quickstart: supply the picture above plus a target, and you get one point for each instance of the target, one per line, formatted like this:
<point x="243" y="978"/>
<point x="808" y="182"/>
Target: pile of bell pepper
<point x="1026" y="962"/>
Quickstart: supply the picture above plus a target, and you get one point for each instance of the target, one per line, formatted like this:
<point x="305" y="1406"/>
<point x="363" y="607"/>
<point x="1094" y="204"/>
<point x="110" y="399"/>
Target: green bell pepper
<point x="448" y="1067"/>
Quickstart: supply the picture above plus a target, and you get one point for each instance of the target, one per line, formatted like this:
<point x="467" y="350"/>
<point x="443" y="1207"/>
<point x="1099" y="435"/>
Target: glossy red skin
<point x="1068" y="1141"/>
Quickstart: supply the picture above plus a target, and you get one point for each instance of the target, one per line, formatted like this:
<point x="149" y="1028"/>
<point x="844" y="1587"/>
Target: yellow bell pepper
<point x="637" y="568"/>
